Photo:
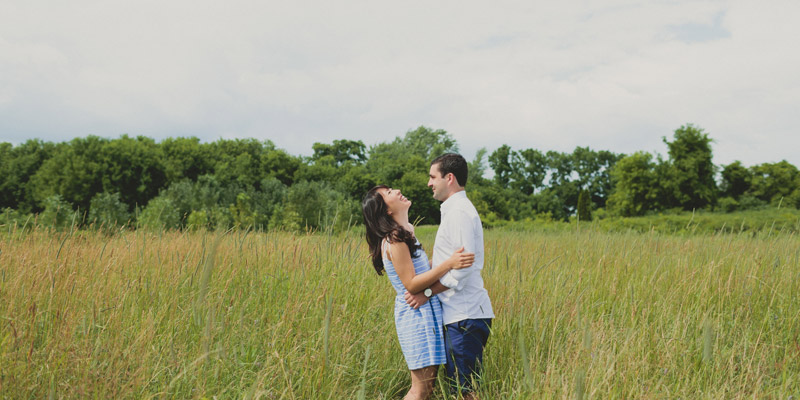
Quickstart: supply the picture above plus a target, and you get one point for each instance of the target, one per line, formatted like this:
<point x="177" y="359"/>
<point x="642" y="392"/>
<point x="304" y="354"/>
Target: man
<point x="465" y="303"/>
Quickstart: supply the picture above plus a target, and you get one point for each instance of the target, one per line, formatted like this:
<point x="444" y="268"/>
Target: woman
<point x="393" y="247"/>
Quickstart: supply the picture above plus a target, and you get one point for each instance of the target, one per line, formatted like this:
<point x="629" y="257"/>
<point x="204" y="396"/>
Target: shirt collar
<point x="452" y="200"/>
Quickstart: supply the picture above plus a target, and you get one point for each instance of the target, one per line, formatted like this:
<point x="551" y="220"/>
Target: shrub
<point x="198" y="219"/>
<point x="320" y="206"/>
<point x="728" y="204"/>
<point x="57" y="213"/>
<point x="107" y="210"/>
<point x="10" y="218"/>
<point x="286" y="218"/>
<point x="220" y="218"/>
<point x="160" y="213"/>
<point x="242" y="212"/>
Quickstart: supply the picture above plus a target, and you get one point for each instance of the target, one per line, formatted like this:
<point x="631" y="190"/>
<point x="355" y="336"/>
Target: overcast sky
<point x="612" y="75"/>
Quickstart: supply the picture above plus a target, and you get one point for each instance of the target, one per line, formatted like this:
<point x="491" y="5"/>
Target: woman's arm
<point x="401" y="259"/>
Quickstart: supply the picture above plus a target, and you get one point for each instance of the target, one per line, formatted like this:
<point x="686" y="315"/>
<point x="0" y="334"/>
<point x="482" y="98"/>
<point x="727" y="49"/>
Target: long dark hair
<point x="380" y="225"/>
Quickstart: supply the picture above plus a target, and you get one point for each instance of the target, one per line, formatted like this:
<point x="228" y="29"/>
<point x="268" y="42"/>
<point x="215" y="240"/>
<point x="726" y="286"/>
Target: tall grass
<point x="580" y="314"/>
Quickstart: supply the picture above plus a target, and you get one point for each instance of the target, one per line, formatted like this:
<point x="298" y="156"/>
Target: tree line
<point x="183" y="183"/>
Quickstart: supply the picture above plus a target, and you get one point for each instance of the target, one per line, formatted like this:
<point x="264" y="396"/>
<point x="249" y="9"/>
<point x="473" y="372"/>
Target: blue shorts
<point x="464" y="342"/>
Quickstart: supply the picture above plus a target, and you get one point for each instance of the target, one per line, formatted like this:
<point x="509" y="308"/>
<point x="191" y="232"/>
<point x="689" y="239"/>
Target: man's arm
<point x="418" y="300"/>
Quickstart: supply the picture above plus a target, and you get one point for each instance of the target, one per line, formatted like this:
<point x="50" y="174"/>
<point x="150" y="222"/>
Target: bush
<point x="285" y="218"/>
<point x="58" y="213"/>
<point x="220" y="218"/>
<point x="271" y="196"/>
<point x="197" y="220"/>
<point x="319" y="206"/>
<point x="160" y="213"/>
<point x="107" y="210"/>
<point x="728" y="204"/>
<point x="243" y="215"/>
<point x="255" y="208"/>
<point x="750" y="202"/>
<point x="10" y="218"/>
<point x="183" y="197"/>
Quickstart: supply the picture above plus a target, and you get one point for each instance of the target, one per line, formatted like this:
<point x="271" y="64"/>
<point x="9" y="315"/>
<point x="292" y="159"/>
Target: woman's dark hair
<point x="380" y="225"/>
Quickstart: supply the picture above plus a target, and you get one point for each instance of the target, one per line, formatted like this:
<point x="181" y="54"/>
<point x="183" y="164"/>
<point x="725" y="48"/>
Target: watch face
<point x="428" y="292"/>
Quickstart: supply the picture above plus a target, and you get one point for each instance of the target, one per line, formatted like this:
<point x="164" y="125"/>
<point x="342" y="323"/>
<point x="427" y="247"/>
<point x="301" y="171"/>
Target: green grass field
<point x="580" y="314"/>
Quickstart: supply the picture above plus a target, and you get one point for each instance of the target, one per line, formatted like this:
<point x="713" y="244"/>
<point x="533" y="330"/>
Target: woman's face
<point x="395" y="201"/>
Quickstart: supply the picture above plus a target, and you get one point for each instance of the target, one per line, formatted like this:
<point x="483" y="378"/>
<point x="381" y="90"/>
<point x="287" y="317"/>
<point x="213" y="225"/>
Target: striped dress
<point x="420" y="330"/>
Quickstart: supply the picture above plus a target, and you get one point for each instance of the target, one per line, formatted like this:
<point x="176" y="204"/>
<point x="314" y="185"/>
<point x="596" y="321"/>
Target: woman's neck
<point x="402" y="220"/>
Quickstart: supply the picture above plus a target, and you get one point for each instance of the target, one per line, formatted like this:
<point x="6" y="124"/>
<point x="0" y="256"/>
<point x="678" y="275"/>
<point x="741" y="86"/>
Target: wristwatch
<point x="428" y="293"/>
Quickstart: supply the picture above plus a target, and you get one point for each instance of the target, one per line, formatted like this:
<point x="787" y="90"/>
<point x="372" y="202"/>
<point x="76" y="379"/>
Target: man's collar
<point x="447" y="204"/>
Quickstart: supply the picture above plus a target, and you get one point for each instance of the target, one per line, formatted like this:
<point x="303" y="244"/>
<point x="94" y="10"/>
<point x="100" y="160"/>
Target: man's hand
<point x="415" y="300"/>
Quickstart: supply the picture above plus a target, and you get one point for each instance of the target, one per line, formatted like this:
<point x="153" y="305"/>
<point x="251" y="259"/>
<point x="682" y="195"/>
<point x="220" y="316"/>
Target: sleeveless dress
<point x="420" y="330"/>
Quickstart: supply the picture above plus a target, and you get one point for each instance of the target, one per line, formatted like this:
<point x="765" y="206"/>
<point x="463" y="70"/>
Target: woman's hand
<point x="460" y="260"/>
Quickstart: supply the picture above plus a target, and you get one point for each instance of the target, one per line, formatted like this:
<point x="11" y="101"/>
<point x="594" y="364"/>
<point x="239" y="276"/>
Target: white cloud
<point x="615" y="76"/>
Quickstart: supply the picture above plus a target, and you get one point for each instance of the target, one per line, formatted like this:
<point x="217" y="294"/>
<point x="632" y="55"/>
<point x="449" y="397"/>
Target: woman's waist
<point x="401" y="297"/>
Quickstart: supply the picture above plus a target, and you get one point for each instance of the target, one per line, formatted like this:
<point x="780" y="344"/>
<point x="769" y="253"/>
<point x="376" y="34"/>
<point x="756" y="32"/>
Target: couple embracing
<point x="442" y="312"/>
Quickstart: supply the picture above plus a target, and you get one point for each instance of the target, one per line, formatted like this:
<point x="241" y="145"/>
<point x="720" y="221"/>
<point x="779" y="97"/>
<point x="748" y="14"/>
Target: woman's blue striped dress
<point x="420" y="330"/>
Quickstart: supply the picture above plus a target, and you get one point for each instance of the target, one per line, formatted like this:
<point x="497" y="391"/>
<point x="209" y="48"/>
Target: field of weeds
<point x="584" y="314"/>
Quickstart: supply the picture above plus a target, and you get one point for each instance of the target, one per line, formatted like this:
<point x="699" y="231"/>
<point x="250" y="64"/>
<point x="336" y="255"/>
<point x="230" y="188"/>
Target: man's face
<point x="438" y="183"/>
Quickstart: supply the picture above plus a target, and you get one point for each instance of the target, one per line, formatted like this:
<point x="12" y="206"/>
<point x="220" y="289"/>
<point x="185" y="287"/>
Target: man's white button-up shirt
<point x="461" y="226"/>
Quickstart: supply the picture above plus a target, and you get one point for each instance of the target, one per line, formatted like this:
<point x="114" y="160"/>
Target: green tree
<point x="241" y="161"/>
<point x="491" y="201"/>
<point x="532" y="167"/>
<point x="562" y="183"/>
<point x="691" y="168"/>
<point x="501" y="161"/>
<point x="547" y="204"/>
<point x="428" y="143"/>
<point x="84" y="167"/>
<point x="524" y="171"/>
<point x="355" y="180"/>
<point x="74" y="172"/>
<point x="584" y="206"/>
<point x="185" y="158"/>
<point x="735" y="180"/>
<point x="776" y="183"/>
<point x="636" y="185"/>
<point x="324" y="169"/>
<point x="132" y="167"/>
<point x="280" y="165"/>
<point x="593" y="172"/>
<point x="18" y="164"/>
<point x="477" y="168"/>
<point x="341" y="152"/>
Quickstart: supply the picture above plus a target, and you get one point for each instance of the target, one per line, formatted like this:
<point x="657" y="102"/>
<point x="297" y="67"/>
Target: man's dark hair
<point x="455" y="164"/>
